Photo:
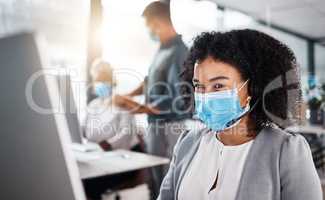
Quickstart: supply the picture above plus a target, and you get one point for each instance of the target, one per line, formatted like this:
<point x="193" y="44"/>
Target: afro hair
<point x="270" y="66"/>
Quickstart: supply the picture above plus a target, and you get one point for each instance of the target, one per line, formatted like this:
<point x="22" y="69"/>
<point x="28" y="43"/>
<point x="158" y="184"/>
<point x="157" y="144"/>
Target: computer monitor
<point x="69" y="108"/>
<point x="36" y="161"/>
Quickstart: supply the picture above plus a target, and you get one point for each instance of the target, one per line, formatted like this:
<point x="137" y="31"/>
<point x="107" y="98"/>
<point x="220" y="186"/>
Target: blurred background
<point x="78" y="32"/>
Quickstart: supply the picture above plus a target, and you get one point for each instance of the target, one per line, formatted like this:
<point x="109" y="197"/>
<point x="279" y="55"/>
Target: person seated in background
<point x="112" y="128"/>
<point x="106" y="123"/>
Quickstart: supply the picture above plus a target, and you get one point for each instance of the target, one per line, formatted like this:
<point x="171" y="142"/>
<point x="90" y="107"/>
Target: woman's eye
<point x="218" y="86"/>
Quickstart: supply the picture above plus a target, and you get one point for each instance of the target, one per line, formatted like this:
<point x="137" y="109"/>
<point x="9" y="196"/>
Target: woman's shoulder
<point x="298" y="175"/>
<point x="283" y="142"/>
<point x="278" y="135"/>
<point x="270" y="139"/>
<point x="190" y="139"/>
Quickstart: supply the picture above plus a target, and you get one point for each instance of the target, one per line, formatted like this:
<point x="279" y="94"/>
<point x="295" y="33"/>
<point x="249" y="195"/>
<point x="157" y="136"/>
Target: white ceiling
<point x="305" y="17"/>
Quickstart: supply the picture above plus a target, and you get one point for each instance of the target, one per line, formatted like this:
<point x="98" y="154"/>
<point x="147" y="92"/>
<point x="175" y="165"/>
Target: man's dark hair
<point x="262" y="60"/>
<point x="157" y="9"/>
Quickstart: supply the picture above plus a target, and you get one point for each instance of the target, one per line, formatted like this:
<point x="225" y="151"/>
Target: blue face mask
<point x="153" y="36"/>
<point x="219" y="110"/>
<point x="103" y="90"/>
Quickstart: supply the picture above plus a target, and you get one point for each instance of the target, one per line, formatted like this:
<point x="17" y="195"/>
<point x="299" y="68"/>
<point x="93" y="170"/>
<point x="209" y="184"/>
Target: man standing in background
<point x="165" y="106"/>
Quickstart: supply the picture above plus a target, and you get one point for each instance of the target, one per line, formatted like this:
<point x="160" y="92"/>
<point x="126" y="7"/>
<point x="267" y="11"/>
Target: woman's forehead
<point x="209" y="69"/>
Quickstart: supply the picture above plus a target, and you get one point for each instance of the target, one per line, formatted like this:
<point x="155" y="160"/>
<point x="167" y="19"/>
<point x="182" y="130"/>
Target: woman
<point x="246" y="91"/>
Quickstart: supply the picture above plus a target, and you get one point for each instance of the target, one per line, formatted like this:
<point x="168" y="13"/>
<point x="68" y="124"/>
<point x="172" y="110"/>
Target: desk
<point x="118" y="161"/>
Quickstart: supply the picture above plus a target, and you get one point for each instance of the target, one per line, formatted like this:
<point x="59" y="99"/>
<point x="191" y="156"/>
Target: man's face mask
<point x="102" y="89"/>
<point x="153" y="36"/>
<point x="220" y="110"/>
<point x="150" y="28"/>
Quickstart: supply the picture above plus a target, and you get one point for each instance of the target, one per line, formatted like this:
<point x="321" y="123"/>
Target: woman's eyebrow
<point x="194" y="80"/>
<point x="218" y="78"/>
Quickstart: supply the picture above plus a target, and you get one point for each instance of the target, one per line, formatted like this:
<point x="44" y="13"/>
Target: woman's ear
<point x="248" y="101"/>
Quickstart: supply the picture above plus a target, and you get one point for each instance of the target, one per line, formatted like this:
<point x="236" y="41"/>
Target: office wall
<point x="63" y="23"/>
<point x="126" y="42"/>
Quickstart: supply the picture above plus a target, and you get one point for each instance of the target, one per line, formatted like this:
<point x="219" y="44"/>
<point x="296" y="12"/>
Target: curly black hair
<point x="270" y="66"/>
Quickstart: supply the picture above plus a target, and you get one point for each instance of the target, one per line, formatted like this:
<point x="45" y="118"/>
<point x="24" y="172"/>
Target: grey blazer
<point x="279" y="166"/>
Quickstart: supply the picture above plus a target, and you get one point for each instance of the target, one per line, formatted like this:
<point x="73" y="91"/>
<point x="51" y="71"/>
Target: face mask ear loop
<point x="241" y="87"/>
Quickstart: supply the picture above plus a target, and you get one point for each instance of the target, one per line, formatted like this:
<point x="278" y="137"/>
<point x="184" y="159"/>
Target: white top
<point x="107" y="122"/>
<point x="213" y="157"/>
